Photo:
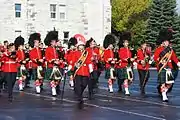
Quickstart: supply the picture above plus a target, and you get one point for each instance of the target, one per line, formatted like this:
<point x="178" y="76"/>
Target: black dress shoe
<point x="81" y="104"/>
<point x="165" y="101"/>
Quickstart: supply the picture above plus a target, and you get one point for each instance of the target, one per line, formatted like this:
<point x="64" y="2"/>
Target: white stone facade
<point x="91" y="18"/>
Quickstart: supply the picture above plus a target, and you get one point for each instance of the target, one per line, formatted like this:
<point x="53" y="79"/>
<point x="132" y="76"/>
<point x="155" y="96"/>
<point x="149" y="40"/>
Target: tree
<point x="176" y="43"/>
<point x="123" y="10"/>
<point x="162" y="15"/>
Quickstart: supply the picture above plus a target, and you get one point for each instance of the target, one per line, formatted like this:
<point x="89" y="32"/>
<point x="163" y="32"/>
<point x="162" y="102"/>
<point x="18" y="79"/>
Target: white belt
<point x="9" y="62"/>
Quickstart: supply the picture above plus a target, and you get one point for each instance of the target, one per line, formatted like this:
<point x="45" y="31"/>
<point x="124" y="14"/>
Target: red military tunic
<point x="20" y="56"/>
<point x="70" y="56"/>
<point x="10" y="64"/>
<point x="62" y="52"/>
<point x="157" y="54"/>
<point x="84" y="69"/>
<point x="50" y="55"/>
<point x="140" y="57"/>
<point x="94" y="56"/>
<point x="108" y="56"/>
<point x="35" y="54"/>
<point x="124" y="54"/>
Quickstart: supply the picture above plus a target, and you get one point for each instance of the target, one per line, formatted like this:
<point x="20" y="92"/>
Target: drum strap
<point x="80" y="62"/>
<point x="164" y="60"/>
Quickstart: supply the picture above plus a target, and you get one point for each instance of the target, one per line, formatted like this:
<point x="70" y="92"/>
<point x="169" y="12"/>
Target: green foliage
<point x="161" y="15"/>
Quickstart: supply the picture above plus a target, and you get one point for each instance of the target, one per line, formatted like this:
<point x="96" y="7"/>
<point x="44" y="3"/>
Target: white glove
<point x="69" y="67"/>
<point x="178" y="64"/>
<point x="150" y="61"/>
<point x="90" y="68"/>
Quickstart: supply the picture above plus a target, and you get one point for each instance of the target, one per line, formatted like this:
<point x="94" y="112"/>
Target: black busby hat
<point x="89" y="42"/>
<point x="124" y="36"/>
<point x="164" y="34"/>
<point x="19" y="41"/>
<point x="72" y="41"/>
<point x="34" y="36"/>
<point x="52" y="35"/>
<point x="109" y="39"/>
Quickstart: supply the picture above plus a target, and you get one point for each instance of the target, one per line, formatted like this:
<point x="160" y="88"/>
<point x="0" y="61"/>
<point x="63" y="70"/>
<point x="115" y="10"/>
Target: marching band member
<point x="37" y="60"/>
<point x="94" y="56"/>
<point x="109" y="59"/>
<point x="70" y="58"/>
<point x="21" y="62"/>
<point x="10" y="68"/>
<point x="163" y="56"/>
<point x="143" y="60"/>
<point x="124" y="70"/>
<point x="28" y="66"/>
<point x="82" y="70"/>
<point x="53" y="73"/>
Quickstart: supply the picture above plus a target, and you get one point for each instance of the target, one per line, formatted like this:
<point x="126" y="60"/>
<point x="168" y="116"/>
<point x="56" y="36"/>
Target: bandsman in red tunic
<point x="163" y="56"/>
<point x="70" y="58"/>
<point x="37" y="60"/>
<point x="94" y="56"/>
<point x="143" y="64"/>
<point x="21" y="62"/>
<point x="124" y="66"/>
<point x="10" y="68"/>
<point x="51" y="55"/>
<point x="82" y="70"/>
<point x="110" y="60"/>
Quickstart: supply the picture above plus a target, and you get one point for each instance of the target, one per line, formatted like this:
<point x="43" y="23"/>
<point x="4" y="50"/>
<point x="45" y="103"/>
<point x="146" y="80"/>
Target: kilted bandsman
<point x="10" y="68"/>
<point x="109" y="59"/>
<point x="53" y="73"/>
<point x="37" y="60"/>
<point x="124" y="70"/>
<point x="143" y="63"/>
<point x="70" y="58"/>
<point x="82" y="70"/>
<point x="94" y="56"/>
<point x="21" y="62"/>
<point x="163" y="56"/>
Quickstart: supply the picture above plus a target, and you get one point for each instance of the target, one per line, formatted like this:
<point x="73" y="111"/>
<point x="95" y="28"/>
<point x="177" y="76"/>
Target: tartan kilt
<point x="121" y="73"/>
<point x="48" y="73"/>
<point x="162" y="77"/>
<point x="34" y="74"/>
<point x="71" y="72"/>
<point x="107" y="73"/>
<point x="25" y="73"/>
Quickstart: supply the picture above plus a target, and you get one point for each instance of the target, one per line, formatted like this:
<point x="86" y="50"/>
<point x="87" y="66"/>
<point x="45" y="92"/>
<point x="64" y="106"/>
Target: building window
<point x="62" y="16"/>
<point x="17" y="10"/>
<point x="53" y="10"/>
<point x="66" y="34"/>
<point x="62" y="10"/>
<point x="17" y="33"/>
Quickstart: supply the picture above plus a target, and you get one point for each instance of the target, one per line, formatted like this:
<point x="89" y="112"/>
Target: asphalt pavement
<point x="27" y="105"/>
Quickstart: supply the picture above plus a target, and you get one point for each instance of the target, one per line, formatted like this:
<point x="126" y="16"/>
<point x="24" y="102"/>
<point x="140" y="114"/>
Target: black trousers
<point x="143" y="78"/>
<point x="1" y="80"/>
<point x="94" y="76"/>
<point x="10" y="78"/>
<point x="81" y="83"/>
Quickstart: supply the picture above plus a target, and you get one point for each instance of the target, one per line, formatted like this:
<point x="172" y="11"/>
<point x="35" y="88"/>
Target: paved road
<point x="29" y="106"/>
